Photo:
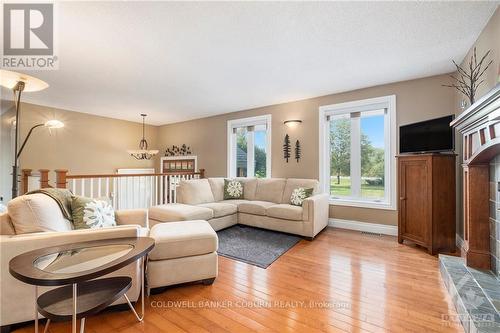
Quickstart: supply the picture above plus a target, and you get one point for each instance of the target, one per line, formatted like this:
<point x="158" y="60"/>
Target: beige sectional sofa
<point x="184" y="252"/>
<point x="266" y="204"/>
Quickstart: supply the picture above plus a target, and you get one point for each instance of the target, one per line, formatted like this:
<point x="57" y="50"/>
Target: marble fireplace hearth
<point x="475" y="294"/>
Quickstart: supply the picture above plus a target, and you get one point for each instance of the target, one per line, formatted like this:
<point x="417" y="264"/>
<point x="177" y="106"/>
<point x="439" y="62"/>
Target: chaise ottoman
<point x="177" y="212"/>
<point x="184" y="252"/>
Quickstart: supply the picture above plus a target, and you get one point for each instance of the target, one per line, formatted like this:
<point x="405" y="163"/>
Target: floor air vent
<point x="367" y="233"/>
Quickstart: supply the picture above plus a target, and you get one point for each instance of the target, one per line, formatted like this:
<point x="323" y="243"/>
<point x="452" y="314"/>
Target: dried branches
<point x="467" y="82"/>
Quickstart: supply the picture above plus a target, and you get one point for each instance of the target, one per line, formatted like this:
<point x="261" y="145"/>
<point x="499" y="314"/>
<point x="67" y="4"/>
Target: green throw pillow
<point x="233" y="189"/>
<point x="91" y="213"/>
<point x="299" y="195"/>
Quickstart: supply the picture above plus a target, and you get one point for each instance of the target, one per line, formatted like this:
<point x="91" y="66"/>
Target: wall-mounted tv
<point x="433" y="135"/>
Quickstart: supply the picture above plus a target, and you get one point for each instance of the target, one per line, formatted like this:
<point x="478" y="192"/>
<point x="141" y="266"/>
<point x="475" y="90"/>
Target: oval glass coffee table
<point x="75" y="268"/>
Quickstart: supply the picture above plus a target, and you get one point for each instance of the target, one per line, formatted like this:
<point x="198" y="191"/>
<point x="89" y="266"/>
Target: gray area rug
<point x="254" y="246"/>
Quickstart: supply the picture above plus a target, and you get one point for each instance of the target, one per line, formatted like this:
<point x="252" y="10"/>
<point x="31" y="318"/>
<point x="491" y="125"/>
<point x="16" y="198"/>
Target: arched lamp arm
<point x="26" y="140"/>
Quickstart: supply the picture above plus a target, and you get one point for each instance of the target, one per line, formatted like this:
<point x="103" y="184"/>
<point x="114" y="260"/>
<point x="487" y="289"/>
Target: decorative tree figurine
<point x="286" y="148"/>
<point x="297" y="150"/>
<point x="467" y="82"/>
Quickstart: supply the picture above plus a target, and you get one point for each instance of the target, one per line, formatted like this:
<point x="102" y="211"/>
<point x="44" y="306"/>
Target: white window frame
<point x="231" y="144"/>
<point x="384" y="102"/>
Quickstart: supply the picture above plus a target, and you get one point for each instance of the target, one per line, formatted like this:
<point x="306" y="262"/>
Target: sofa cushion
<point x="254" y="207"/>
<point x="217" y="186"/>
<point x="249" y="187"/>
<point x="285" y="211"/>
<point x="270" y="190"/>
<point x="235" y="202"/>
<point x="182" y="239"/>
<point x="179" y="212"/>
<point x="293" y="183"/>
<point x="194" y="192"/>
<point x="35" y="213"/>
<point x="221" y="208"/>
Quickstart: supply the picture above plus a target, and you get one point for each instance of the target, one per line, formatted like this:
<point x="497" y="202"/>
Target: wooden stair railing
<point x="123" y="189"/>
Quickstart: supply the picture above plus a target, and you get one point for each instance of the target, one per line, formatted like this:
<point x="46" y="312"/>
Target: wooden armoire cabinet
<point x="426" y="192"/>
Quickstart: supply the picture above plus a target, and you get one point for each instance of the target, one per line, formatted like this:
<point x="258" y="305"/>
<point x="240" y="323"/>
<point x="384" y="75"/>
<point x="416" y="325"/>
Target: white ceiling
<point x="178" y="60"/>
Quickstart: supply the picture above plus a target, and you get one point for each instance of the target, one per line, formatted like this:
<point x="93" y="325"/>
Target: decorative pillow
<point x="91" y="213"/>
<point x="233" y="189"/>
<point x="299" y="194"/>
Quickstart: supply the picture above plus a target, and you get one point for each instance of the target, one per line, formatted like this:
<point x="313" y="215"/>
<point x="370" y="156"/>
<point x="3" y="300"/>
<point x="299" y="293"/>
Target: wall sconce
<point x="292" y="123"/>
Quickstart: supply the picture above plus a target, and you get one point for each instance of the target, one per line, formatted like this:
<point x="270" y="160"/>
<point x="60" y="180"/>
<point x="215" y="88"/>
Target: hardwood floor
<point x="343" y="281"/>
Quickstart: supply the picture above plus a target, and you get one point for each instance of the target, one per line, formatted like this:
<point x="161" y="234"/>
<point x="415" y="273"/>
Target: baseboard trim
<point x="390" y="230"/>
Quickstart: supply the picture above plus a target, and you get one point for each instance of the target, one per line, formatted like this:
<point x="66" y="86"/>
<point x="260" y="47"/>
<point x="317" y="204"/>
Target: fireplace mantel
<point x="479" y="126"/>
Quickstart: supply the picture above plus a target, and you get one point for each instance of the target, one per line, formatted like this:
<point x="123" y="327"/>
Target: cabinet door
<point x="414" y="200"/>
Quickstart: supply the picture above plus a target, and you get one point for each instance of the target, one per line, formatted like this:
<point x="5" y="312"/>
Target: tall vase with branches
<point x="468" y="79"/>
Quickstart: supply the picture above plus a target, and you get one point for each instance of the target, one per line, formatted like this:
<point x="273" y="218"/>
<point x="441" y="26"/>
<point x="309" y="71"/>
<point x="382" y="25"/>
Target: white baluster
<point x="136" y="185"/>
<point x="173" y="183"/>
<point x="107" y="187"/>
<point x="140" y="190"/>
<point x="151" y="191"/>
<point x="145" y="191"/>
<point x="170" y="193"/>
<point x="134" y="190"/>
<point x="126" y="193"/>
<point x="92" y="187"/>
<point x="139" y="196"/>
<point x="99" y="194"/>
<point x="73" y="185"/>
<point x="156" y="189"/>
<point x="115" y="205"/>
<point x="161" y="190"/>
<point x="133" y="182"/>
<point x="82" y="188"/>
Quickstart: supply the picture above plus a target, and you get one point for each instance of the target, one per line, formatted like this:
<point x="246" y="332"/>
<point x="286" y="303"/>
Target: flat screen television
<point x="433" y="135"/>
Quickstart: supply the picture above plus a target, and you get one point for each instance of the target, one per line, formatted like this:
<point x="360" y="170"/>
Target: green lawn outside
<point x="344" y="188"/>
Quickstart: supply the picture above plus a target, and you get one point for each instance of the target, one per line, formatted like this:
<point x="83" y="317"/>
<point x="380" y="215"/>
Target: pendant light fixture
<point x="143" y="153"/>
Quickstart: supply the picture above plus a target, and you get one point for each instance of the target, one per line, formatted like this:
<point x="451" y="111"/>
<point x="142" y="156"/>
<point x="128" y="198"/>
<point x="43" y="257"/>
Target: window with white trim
<point x="357" y="152"/>
<point x="249" y="147"/>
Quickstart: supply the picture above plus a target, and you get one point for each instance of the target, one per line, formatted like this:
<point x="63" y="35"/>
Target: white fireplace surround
<point x="479" y="127"/>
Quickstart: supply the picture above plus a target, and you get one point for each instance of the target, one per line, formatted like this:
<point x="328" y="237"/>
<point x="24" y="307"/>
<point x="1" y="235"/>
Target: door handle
<point x="402" y="198"/>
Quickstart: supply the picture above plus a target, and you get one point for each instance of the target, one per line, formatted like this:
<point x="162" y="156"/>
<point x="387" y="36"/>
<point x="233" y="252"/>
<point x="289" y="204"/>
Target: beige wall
<point x="489" y="39"/>
<point x="415" y="100"/>
<point x="92" y="144"/>
<point x="87" y="144"/>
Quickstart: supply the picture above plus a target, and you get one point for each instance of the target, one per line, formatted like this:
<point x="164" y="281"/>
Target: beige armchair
<point x="16" y="297"/>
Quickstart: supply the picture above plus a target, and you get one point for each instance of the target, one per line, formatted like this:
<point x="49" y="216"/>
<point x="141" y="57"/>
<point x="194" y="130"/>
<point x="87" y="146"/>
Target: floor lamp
<point x="18" y="83"/>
